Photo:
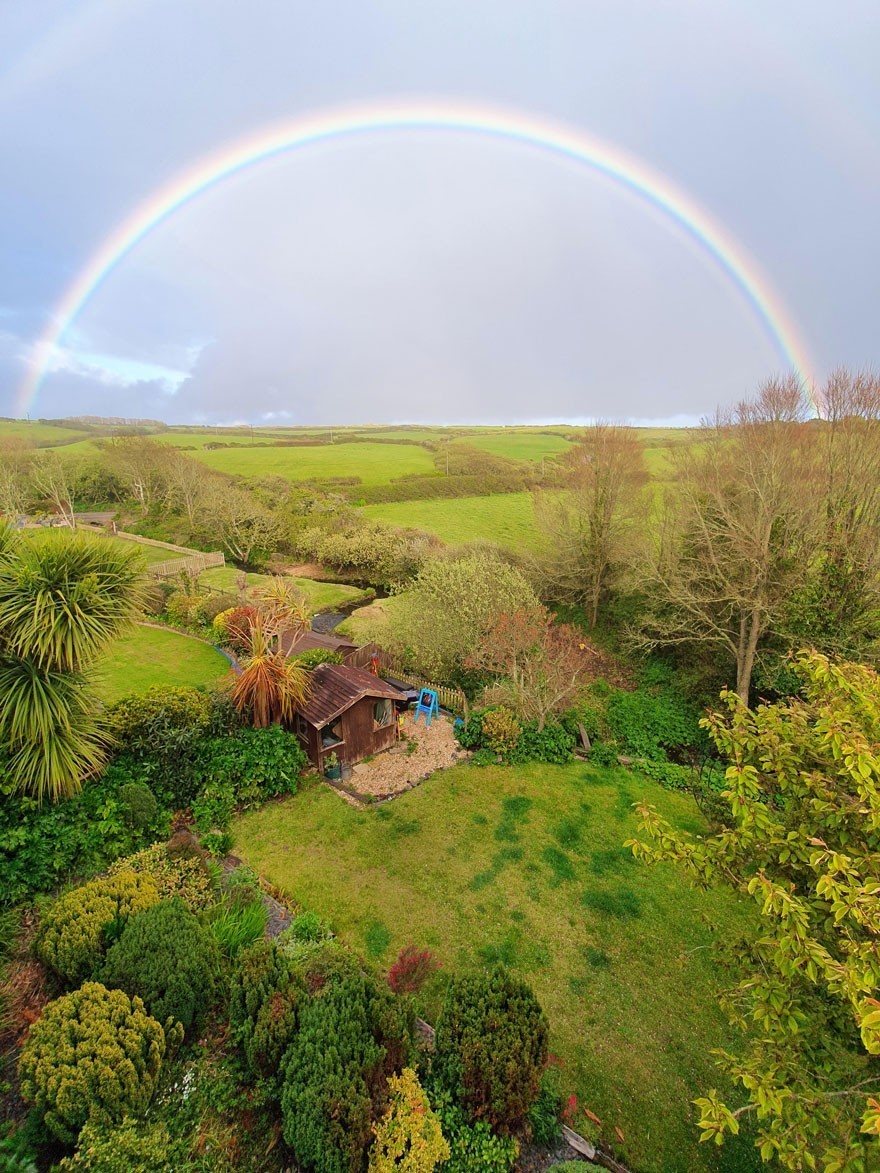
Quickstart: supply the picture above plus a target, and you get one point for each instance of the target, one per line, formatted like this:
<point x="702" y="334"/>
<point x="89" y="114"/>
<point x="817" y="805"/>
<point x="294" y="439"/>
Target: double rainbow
<point x="610" y="161"/>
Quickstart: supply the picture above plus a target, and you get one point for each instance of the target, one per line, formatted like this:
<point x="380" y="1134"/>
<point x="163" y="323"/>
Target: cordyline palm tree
<point x="270" y="687"/>
<point x="62" y="602"/>
<point x="284" y="610"/>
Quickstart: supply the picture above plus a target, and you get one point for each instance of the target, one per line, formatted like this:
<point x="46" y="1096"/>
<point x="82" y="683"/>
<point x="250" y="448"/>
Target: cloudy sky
<point x="434" y="274"/>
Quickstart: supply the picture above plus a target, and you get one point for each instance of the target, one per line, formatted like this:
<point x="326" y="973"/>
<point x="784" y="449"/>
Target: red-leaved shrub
<point x="412" y="969"/>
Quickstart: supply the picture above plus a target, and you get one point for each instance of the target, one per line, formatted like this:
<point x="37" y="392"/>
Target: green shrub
<point x="603" y="753"/>
<point x="308" y="926"/>
<point x="484" y="757"/>
<point x="264" y="996"/>
<point x="491" y="1047"/>
<point x="212" y="605"/>
<point x="350" y="1039"/>
<point x="472" y="1146"/>
<point x="129" y="1147"/>
<point x="42" y="846"/>
<point x="72" y="939"/>
<point x="167" y="958"/>
<point x="655" y="721"/>
<point x="469" y="732"/>
<point x="315" y="656"/>
<point x="553" y="744"/>
<point x="185" y="876"/>
<point x="247" y="767"/>
<point x="94" y="1055"/>
<point x="501" y="730"/>
<point x="139" y="805"/>
<point x="183" y="609"/>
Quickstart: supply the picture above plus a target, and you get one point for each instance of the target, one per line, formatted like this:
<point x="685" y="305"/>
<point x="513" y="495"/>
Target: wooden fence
<point x="194" y="564"/>
<point x="452" y="699"/>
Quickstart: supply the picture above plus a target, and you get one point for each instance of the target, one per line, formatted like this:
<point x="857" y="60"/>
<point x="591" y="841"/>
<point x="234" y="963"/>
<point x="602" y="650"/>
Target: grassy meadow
<point x="152" y="655"/>
<point x="506" y="518"/>
<point x="526" y="866"/>
<point x="371" y="464"/>
<point x="320" y="596"/>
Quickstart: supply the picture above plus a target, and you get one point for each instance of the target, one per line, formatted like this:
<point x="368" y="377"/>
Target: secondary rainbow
<point x="601" y="157"/>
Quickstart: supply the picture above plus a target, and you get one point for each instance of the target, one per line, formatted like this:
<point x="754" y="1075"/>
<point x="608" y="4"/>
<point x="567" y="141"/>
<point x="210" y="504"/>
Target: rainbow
<point x="610" y="161"/>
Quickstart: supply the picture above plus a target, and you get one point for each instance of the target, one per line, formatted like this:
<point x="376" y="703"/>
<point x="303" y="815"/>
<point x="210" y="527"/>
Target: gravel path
<point x="400" y="768"/>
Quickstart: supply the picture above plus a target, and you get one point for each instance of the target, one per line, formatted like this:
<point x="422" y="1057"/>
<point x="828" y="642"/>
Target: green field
<point x="321" y="596"/>
<point x="507" y="518"/>
<point x="520" y="445"/>
<point x="371" y="464"/>
<point x="526" y="866"/>
<point x="152" y="655"/>
<point x="48" y="434"/>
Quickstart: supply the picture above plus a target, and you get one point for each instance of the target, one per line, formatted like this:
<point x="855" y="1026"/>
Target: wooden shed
<point x="350" y="712"/>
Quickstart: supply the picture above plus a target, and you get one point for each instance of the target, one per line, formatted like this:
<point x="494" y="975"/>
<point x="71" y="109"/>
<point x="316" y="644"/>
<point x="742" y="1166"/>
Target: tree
<point x="16" y="459"/>
<point x="246" y="529"/>
<point x="54" y="481"/>
<point x="270" y="686"/>
<point x="542" y="664"/>
<point x="186" y="479"/>
<point x="588" y="526"/>
<point x="443" y="617"/>
<point x="801" y="841"/>
<point x="727" y="555"/>
<point x="62" y="603"/>
<point x="142" y="465"/>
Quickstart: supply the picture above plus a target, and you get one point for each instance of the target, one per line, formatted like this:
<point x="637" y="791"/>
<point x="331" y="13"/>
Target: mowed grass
<point x="372" y="464"/>
<point x="151" y="655"/>
<point x="507" y="518"/>
<point x="526" y="867"/>
<point x="320" y="596"/>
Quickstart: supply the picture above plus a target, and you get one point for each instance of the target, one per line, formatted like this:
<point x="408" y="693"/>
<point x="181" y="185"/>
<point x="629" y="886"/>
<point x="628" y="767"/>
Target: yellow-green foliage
<point x="183" y="876"/>
<point x="501" y="729"/>
<point x="219" y="624"/>
<point x="408" y="1137"/>
<point x="72" y="938"/>
<point x="94" y="1055"/>
<point x="127" y="1148"/>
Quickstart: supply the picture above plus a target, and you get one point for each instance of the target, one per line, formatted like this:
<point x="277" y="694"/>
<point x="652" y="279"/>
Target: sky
<point x="413" y="274"/>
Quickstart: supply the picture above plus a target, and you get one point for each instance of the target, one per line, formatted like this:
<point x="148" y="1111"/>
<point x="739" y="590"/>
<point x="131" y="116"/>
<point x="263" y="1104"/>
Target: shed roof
<point x="294" y="642"/>
<point x="336" y="688"/>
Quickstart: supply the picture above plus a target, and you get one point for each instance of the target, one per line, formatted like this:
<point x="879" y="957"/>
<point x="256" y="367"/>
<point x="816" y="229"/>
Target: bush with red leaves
<point x="412" y="969"/>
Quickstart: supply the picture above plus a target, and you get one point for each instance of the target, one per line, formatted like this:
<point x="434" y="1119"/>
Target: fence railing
<point x="452" y="699"/>
<point x="193" y="564"/>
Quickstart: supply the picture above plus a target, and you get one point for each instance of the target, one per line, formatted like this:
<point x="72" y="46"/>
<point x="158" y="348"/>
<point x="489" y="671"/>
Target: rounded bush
<point x="491" y="1047"/>
<point x="263" y="1000"/>
<point x="139" y="805"/>
<point x="131" y="1147"/>
<point x="409" y="1137"/>
<point x="186" y="876"/>
<point x="501" y="730"/>
<point x="72" y="939"/>
<point x="167" y="958"/>
<point x="95" y="1054"/>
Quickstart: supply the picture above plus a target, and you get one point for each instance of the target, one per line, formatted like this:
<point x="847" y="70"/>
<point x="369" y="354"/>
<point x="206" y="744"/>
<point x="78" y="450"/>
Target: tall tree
<point x="720" y="567"/>
<point x="246" y="529"/>
<point x="270" y="686"/>
<point x="588" y="524"/>
<point x="142" y="466"/>
<point x="801" y="841"/>
<point x="54" y="482"/>
<point x="62" y="602"/>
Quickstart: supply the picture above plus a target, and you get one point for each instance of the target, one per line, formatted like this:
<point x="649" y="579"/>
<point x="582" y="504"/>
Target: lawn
<point x="321" y="596"/>
<point x="150" y="554"/>
<point x="152" y="655"/>
<point x="526" y="866"/>
<point x="506" y="518"/>
<point x="373" y="464"/>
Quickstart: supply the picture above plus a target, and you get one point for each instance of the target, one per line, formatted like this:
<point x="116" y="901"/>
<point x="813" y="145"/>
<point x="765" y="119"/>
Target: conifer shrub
<point x="73" y="937"/>
<point x="351" y="1036"/>
<point x="130" y="1147"/>
<point x="264" y="996"/>
<point x="95" y="1054"/>
<point x="183" y="875"/>
<point x="167" y="958"/>
<point x="491" y="1047"/>
<point x="139" y="805"/>
<point x="409" y="1137"/>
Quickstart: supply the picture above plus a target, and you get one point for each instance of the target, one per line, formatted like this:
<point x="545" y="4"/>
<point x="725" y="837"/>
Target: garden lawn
<point x="372" y="464"/>
<point x="152" y="655"/>
<point x="150" y="554"/>
<point x="526" y="866"/>
<point x="506" y="518"/>
<point x="320" y="596"/>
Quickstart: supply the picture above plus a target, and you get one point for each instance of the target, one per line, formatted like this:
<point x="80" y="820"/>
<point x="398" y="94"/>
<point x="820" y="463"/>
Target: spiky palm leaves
<point x="284" y="610"/>
<point x="62" y="602"/>
<point x="270" y="686"/>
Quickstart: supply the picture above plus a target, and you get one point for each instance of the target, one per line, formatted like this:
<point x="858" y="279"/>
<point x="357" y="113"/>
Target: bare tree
<point x="54" y="480"/>
<point x="587" y="526"/>
<point x="738" y="532"/>
<point x="240" y="523"/>
<point x="187" y="482"/>
<point x="16" y="459"/>
<point x="142" y="465"/>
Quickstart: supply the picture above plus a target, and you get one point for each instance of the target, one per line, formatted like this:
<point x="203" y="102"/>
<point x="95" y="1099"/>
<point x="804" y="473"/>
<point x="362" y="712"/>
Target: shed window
<point x="301" y="726"/>
<point x="382" y="714"/>
<point x="332" y="734"/>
